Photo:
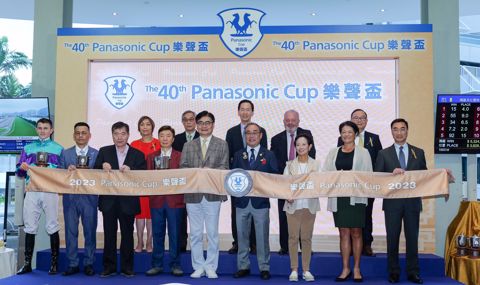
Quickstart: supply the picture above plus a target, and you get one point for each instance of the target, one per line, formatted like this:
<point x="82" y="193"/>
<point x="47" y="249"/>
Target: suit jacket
<point x="279" y="147"/>
<point x="181" y="139"/>
<point x="264" y="162"/>
<point x="235" y="141"/>
<point x="69" y="157"/>
<point x="173" y="201"/>
<point x="371" y="142"/>
<point x="135" y="159"/>
<point x="361" y="162"/>
<point x="216" y="157"/>
<point x="387" y="161"/>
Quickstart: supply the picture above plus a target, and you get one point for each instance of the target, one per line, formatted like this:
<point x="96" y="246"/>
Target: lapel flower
<point x="413" y="153"/>
<point x="260" y="154"/>
<point x="263" y="161"/>
<point x="244" y="155"/>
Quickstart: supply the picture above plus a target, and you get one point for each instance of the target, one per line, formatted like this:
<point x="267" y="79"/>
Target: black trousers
<point x="183" y="236"/>
<point x="367" y="230"/>
<point x="393" y="225"/>
<point x="110" y="219"/>
<point x="282" y="221"/>
<point x="233" y="215"/>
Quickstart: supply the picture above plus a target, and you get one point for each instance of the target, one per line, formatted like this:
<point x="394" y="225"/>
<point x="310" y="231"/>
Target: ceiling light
<point x="313" y="14"/>
<point x="114" y="13"/>
<point x="382" y="10"/>
<point x="180" y="16"/>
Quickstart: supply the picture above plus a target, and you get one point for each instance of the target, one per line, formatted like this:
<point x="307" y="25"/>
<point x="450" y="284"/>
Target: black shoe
<point x="89" y="271"/>
<point x="233" y="249"/>
<point x="367" y="251"/>
<point x="128" y="273"/>
<point x="265" y="275"/>
<point x="154" y="271"/>
<point x="340" y="279"/>
<point x="414" y="278"/>
<point x="107" y="273"/>
<point x="71" y="271"/>
<point x="283" y="251"/>
<point x="358" y="280"/>
<point x="241" y="273"/>
<point x="394" y="278"/>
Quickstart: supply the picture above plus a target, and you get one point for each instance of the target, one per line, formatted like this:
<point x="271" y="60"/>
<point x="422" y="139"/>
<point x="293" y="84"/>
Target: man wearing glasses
<point x="203" y="209"/>
<point x="190" y="133"/>
<point x="253" y="157"/>
<point x="372" y="143"/>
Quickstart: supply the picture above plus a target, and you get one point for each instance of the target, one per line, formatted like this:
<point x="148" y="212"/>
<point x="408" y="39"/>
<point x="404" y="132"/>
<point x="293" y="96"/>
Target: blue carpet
<point x="325" y="267"/>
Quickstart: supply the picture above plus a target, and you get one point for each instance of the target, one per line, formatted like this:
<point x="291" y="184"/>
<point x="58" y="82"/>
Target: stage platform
<point x="325" y="267"/>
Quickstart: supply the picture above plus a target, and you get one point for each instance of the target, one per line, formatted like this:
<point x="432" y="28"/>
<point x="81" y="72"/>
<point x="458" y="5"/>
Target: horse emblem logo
<point x="119" y="90"/>
<point x="241" y="29"/>
<point x="238" y="183"/>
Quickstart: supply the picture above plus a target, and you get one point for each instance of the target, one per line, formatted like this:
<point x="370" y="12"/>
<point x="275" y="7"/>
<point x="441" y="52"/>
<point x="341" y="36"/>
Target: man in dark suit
<point x="258" y="158"/>
<point x="119" y="209"/>
<point x="203" y="209"/>
<point x="80" y="206"/>
<point x="190" y="133"/>
<point x="236" y="141"/>
<point x="283" y="146"/>
<point x="372" y="143"/>
<point x="397" y="159"/>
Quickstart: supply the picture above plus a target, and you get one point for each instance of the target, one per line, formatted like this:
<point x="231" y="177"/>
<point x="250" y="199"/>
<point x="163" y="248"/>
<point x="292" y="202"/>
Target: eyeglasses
<point x="206" y="123"/>
<point x="359" y="118"/>
<point x="252" y="133"/>
<point x="188" y="119"/>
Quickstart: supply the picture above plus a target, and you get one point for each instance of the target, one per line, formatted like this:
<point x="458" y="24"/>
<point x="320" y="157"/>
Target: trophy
<point x="42" y="159"/>
<point x="474" y="246"/>
<point x="161" y="162"/>
<point x="82" y="161"/>
<point x="461" y="245"/>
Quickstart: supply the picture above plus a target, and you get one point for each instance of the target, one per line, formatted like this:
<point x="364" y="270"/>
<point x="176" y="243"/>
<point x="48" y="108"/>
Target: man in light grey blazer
<point x="204" y="209"/>
<point x="80" y="206"/>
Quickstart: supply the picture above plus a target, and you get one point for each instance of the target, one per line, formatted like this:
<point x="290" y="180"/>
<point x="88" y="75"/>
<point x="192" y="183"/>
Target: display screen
<point x="18" y="118"/>
<point x="457" y="124"/>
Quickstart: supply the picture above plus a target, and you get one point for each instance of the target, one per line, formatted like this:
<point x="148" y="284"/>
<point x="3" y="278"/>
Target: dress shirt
<point x="78" y="150"/>
<point x="290" y="141"/>
<point x="256" y="150"/>
<point x="121" y="155"/>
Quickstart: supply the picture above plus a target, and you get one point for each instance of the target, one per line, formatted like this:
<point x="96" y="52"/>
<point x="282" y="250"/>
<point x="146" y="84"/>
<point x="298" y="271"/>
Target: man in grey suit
<point x="397" y="159"/>
<point x="203" y="209"/>
<point x="80" y="206"/>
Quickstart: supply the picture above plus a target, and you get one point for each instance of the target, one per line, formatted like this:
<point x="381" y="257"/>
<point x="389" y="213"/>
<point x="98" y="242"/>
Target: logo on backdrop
<point x="241" y="29"/>
<point x="119" y="90"/>
<point x="238" y="182"/>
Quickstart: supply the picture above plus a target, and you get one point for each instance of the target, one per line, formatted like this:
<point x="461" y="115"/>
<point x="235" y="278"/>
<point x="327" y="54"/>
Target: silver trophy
<point x="82" y="161"/>
<point x="42" y="159"/>
<point x="461" y="245"/>
<point x="161" y="162"/>
<point x="474" y="243"/>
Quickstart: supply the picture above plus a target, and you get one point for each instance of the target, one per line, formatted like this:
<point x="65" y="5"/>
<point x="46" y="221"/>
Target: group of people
<point x="292" y="152"/>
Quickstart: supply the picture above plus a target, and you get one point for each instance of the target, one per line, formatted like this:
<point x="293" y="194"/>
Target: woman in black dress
<point x="349" y="212"/>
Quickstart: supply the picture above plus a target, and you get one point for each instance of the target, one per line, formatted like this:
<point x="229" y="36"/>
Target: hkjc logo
<point x="238" y="182"/>
<point x="119" y="90"/>
<point x="241" y="29"/>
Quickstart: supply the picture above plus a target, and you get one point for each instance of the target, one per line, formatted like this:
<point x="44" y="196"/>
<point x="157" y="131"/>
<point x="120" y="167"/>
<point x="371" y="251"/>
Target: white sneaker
<point x="211" y="274"/>
<point x="198" y="273"/>
<point x="293" y="276"/>
<point x="307" y="276"/>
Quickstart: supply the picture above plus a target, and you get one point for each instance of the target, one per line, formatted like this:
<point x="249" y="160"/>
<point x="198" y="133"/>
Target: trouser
<point x="300" y="225"/>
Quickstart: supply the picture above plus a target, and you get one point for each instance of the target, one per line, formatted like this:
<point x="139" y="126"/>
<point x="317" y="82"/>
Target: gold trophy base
<point x="474" y="253"/>
<point x="41" y="164"/>
<point x="461" y="251"/>
<point x="82" y="167"/>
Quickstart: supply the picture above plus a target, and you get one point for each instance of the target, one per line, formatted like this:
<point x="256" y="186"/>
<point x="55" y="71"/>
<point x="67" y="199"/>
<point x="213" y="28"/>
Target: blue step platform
<point x="325" y="267"/>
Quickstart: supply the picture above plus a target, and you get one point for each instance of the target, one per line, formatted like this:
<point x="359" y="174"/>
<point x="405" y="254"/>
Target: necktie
<point x="82" y="152"/>
<point x="360" y="141"/>
<point x="291" y="153"/>
<point x="251" y="161"/>
<point x="189" y="137"/>
<point x="401" y="158"/>
<point x="204" y="148"/>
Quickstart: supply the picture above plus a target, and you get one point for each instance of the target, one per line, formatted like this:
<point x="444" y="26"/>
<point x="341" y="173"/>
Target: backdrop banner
<point x="423" y="183"/>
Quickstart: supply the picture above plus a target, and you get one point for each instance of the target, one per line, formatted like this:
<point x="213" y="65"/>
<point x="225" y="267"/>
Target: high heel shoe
<point x="340" y="279"/>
